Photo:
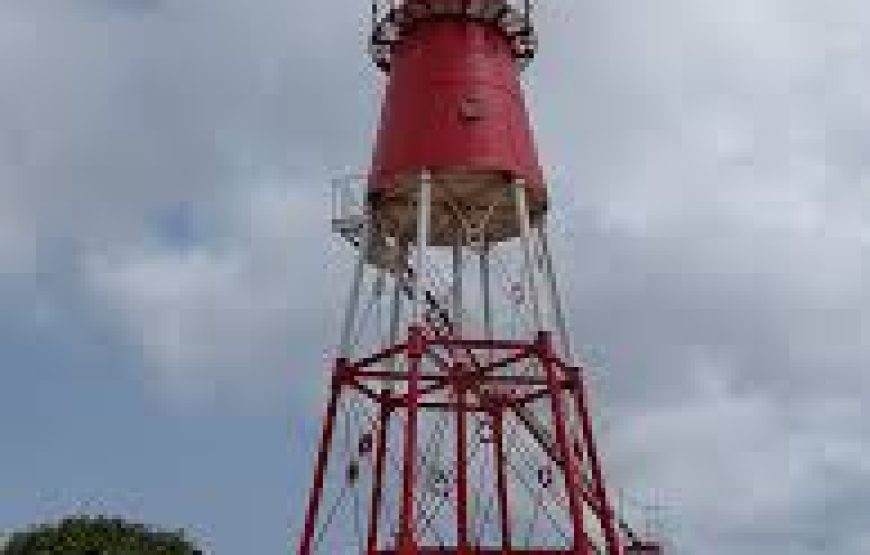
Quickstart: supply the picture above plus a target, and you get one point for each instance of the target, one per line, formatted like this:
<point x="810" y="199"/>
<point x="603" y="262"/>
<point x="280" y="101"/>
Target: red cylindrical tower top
<point x="454" y="107"/>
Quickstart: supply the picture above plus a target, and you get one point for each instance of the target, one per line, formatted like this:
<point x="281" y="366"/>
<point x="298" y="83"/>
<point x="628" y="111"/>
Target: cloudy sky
<point x="169" y="289"/>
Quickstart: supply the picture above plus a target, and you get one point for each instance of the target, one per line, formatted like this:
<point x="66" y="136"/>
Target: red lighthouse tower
<point x="458" y="421"/>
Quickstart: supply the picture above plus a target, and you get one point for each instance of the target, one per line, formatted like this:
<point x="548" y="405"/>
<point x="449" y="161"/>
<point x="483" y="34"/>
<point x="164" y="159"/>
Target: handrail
<point x="392" y="18"/>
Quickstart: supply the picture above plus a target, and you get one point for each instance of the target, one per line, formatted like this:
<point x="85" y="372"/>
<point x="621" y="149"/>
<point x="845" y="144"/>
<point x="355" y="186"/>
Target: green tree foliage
<point x="83" y="535"/>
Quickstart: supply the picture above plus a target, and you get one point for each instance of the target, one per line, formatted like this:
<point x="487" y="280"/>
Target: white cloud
<point x="226" y="317"/>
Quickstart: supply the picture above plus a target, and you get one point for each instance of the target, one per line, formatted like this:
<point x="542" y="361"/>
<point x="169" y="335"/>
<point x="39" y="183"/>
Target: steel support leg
<point x="569" y="468"/>
<point x="416" y="347"/>
<point x="608" y="524"/>
<point x="461" y="464"/>
<point x="380" y="464"/>
<point x="320" y="466"/>
<point x="501" y="478"/>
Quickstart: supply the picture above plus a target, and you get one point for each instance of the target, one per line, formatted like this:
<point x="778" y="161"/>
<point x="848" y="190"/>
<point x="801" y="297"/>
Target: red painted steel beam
<point x="445" y="379"/>
<point x="569" y="469"/>
<point x="320" y="466"/>
<point x="482" y="344"/>
<point x="605" y="513"/>
<point x="389" y="375"/>
<point x="526" y="353"/>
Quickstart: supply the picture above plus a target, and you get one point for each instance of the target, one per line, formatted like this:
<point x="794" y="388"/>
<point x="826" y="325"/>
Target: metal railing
<point x="349" y="212"/>
<point x="381" y="7"/>
<point x="390" y="19"/>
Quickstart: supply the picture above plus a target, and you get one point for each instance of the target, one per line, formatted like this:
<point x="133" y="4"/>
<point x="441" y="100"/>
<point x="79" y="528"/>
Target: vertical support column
<point x="416" y="348"/>
<point x="461" y="461"/>
<point x="569" y="469"/>
<point x="528" y="255"/>
<point x="605" y="513"/>
<point x="350" y="315"/>
<point x="424" y="200"/>
<point x="456" y="286"/>
<point x="501" y="477"/>
<point x="555" y="297"/>
<point x="380" y="464"/>
<point x="485" y="286"/>
<point x="395" y="315"/>
<point x="322" y="461"/>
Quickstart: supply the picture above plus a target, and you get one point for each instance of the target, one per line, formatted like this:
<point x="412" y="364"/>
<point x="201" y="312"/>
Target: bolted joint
<point x="341" y="373"/>
<point x="573" y="380"/>
<point x="416" y="342"/>
<point x="544" y="345"/>
<point x="462" y="380"/>
<point x="387" y="401"/>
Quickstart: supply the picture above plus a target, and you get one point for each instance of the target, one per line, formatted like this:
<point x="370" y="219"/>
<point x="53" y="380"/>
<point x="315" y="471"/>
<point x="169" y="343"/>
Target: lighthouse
<point x="458" y="419"/>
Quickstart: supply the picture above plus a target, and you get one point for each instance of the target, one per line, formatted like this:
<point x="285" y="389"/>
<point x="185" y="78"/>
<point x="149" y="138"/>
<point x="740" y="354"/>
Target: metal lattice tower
<point x="457" y="421"/>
